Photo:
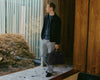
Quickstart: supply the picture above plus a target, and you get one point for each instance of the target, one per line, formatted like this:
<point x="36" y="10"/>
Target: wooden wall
<point x="67" y="14"/>
<point x="93" y="64"/>
<point x="80" y="34"/>
<point x="87" y="36"/>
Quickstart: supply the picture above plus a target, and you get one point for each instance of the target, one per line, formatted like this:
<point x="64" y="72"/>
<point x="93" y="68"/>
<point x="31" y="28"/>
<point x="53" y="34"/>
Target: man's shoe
<point x="48" y="74"/>
<point x="44" y="65"/>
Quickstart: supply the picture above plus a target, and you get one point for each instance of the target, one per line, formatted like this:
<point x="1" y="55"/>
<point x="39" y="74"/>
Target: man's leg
<point x="43" y="52"/>
<point x="51" y="47"/>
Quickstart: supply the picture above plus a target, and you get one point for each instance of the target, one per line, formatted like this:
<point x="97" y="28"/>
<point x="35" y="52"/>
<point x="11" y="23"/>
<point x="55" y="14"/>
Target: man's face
<point x="48" y="8"/>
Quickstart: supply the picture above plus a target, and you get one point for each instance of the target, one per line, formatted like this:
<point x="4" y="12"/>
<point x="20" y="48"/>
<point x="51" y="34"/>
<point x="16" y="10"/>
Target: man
<point x="50" y="35"/>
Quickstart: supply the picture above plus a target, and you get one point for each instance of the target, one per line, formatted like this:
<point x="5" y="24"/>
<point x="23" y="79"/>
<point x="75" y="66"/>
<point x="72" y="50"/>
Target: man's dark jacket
<point x="55" y="28"/>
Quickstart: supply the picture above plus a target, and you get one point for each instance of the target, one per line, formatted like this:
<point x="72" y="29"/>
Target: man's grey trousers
<point x="46" y="48"/>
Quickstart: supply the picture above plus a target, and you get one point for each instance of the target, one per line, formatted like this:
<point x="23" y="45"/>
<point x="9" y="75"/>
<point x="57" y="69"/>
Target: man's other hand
<point x="57" y="46"/>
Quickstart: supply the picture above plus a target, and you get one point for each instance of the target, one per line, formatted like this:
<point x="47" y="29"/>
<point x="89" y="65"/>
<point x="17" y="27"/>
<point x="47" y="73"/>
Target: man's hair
<point x="52" y="5"/>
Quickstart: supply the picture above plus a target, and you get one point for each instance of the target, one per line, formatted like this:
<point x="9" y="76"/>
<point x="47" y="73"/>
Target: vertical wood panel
<point x="61" y="14"/>
<point x="91" y="40"/>
<point x="94" y="38"/>
<point x="80" y="34"/>
<point x="97" y="36"/>
<point x="68" y="28"/>
<point x="67" y="14"/>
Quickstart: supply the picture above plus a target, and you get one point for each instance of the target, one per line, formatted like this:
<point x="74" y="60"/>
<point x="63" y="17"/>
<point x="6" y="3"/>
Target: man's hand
<point x="57" y="46"/>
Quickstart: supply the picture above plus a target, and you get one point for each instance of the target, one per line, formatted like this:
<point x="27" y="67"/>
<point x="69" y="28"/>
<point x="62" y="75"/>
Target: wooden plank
<point x="97" y="37"/>
<point x="94" y="38"/>
<point x="91" y="40"/>
<point x="66" y="12"/>
<point x="80" y="34"/>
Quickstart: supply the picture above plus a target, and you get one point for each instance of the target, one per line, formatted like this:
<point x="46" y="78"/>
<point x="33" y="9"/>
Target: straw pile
<point x="14" y="50"/>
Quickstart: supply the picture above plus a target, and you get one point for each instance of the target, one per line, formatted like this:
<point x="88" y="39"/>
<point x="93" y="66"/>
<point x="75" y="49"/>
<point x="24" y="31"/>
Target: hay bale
<point x="14" y="50"/>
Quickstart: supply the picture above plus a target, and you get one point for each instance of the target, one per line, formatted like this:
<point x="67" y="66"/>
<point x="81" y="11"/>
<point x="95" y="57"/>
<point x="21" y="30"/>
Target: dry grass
<point x="14" y="51"/>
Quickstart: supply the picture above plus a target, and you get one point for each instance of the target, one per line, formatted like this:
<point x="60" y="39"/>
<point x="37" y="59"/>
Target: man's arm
<point x="42" y="32"/>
